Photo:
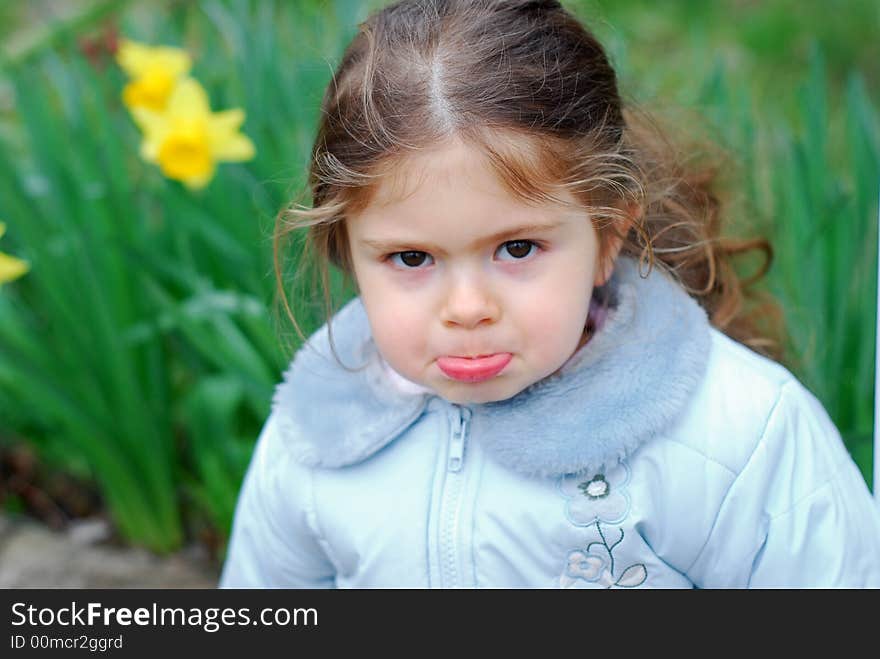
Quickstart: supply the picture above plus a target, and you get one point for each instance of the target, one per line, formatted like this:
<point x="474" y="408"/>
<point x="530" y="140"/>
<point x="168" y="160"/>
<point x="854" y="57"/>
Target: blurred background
<point x="140" y="337"/>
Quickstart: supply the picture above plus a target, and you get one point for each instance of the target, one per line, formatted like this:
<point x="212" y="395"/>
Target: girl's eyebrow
<point x="500" y="236"/>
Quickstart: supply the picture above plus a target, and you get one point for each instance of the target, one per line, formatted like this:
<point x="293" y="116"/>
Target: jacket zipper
<point x="457" y="438"/>
<point x="451" y="497"/>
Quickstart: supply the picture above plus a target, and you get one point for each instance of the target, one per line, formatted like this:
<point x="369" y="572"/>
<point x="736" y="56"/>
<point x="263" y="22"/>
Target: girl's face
<point x="450" y="265"/>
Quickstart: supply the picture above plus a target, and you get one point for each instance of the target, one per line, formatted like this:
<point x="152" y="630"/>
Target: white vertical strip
<point x="876" y="479"/>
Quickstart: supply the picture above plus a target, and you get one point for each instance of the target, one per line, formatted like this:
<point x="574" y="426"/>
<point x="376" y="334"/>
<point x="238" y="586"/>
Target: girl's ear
<point x="614" y="243"/>
<point x="606" y="266"/>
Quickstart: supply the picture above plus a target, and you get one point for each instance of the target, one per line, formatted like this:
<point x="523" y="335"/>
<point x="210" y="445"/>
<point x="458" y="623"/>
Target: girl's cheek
<point x="399" y="339"/>
<point x="396" y="277"/>
<point x="400" y="308"/>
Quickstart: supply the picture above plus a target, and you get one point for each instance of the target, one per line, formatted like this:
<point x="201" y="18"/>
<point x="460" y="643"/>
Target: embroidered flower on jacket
<point x="597" y="488"/>
<point x="584" y="564"/>
<point x="601" y="497"/>
<point x="594" y="569"/>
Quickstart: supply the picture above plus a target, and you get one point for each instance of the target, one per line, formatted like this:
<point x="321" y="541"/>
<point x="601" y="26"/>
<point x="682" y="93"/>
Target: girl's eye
<point x="518" y="249"/>
<point x="415" y="260"/>
<point x="411" y="260"/>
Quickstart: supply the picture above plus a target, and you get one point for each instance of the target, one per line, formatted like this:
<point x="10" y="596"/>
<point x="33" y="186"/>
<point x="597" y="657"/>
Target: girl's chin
<point x="477" y="393"/>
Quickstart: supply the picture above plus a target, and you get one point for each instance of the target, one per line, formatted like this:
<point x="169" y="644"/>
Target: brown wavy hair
<point x="526" y="83"/>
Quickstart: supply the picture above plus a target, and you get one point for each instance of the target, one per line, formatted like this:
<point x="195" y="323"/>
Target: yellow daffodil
<point x="154" y="71"/>
<point x="10" y="267"/>
<point x="187" y="139"/>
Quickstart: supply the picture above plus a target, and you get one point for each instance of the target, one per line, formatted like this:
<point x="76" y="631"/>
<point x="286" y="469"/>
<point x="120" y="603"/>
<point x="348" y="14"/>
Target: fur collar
<point x="629" y="382"/>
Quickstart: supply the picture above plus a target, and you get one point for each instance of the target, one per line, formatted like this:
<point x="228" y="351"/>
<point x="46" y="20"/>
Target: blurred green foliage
<point x="142" y="348"/>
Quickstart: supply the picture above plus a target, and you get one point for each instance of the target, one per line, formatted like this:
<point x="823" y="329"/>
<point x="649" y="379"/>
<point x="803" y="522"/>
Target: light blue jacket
<point x="663" y="454"/>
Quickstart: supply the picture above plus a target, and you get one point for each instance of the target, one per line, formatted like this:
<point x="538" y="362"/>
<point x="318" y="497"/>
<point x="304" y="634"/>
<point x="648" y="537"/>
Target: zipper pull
<point x="456" y="442"/>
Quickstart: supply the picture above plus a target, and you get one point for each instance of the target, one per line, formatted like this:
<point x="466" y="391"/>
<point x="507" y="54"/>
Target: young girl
<point x="544" y="380"/>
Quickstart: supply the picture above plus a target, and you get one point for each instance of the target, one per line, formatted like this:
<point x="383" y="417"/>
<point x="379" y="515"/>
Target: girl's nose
<point x="469" y="302"/>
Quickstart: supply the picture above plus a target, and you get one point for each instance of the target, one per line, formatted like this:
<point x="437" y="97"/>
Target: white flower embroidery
<point x="591" y="501"/>
<point x="598" y="498"/>
<point x="596" y="488"/>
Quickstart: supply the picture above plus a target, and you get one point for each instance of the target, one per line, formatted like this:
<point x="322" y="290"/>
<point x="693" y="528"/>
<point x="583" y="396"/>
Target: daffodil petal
<point x="198" y="182"/>
<point x="226" y="142"/>
<point x="154" y="127"/>
<point x="151" y="123"/>
<point x="177" y="61"/>
<point x="234" y="148"/>
<point x="189" y="99"/>
<point x="133" y="57"/>
<point x="12" y="268"/>
<point x="227" y="121"/>
<point x="136" y="58"/>
<point x="149" y="150"/>
<point x="129" y="96"/>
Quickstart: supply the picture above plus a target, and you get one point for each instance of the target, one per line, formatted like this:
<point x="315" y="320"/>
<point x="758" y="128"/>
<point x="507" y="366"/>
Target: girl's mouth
<point x="477" y="369"/>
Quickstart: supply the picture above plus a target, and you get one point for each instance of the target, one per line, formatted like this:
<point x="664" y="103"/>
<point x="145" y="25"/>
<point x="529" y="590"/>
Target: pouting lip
<point x="466" y="369"/>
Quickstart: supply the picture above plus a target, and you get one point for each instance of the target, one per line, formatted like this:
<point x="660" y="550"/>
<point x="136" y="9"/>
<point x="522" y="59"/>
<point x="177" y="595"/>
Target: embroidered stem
<point x="618" y="542"/>
<point x="607" y="548"/>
